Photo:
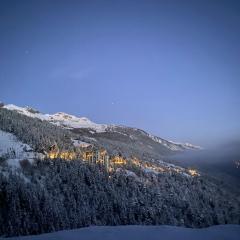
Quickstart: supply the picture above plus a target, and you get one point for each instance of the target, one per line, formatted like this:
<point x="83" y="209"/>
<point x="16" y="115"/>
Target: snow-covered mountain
<point x="70" y="121"/>
<point x="59" y="119"/>
<point x="100" y="130"/>
<point x="174" y="145"/>
<point x="54" y="186"/>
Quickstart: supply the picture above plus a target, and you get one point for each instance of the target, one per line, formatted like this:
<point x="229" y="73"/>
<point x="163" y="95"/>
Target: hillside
<point x="72" y="194"/>
<point x="116" y="139"/>
<point x="65" y="190"/>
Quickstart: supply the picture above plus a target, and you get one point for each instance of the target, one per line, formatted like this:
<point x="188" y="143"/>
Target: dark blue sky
<point x="169" y="67"/>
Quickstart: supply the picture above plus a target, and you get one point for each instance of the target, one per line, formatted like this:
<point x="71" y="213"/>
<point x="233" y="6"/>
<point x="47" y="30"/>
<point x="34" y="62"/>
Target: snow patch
<point x="14" y="150"/>
<point x="78" y="143"/>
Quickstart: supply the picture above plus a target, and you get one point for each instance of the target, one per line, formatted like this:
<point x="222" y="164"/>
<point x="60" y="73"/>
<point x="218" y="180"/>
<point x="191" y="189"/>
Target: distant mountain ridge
<point x="94" y="129"/>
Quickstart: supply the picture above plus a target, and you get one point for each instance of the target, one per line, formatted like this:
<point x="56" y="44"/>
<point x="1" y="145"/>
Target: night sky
<point x="169" y="67"/>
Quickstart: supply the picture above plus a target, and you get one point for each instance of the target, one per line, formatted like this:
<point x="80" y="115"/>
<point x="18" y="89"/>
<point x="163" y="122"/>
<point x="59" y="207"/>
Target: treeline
<point x="35" y="132"/>
<point x="52" y="195"/>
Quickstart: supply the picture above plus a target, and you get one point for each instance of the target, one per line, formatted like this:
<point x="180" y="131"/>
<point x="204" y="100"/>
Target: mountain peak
<point x="69" y="121"/>
<point x="63" y="115"/>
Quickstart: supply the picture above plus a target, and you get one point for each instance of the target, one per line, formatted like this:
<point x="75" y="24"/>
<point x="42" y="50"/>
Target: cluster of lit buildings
<point x="88" y="154"/>
<point x="93" y="155"/>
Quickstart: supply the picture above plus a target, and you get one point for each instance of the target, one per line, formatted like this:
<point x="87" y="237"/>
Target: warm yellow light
<point x="64" y="155"/>
<point x="193" y="172"/>
<point x="118" y="160"/>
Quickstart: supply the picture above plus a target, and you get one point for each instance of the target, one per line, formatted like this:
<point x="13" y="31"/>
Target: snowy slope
<point x="26" y="111"/>
<point x="70" y="121"/>
<point x="59" y="119"/>
<point x="73" y="122"/>
<point x="174" y="145"/>
<point x="14" y="150"/>
<point x="223" y="232"/>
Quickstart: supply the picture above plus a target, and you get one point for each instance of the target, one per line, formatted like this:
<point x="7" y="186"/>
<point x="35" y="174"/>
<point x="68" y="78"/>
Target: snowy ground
<point x="222" y="232"/>
<point x="14" y="149"/>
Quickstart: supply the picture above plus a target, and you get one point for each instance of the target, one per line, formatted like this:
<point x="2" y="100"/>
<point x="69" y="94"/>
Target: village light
<point x="193" y="172"/>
